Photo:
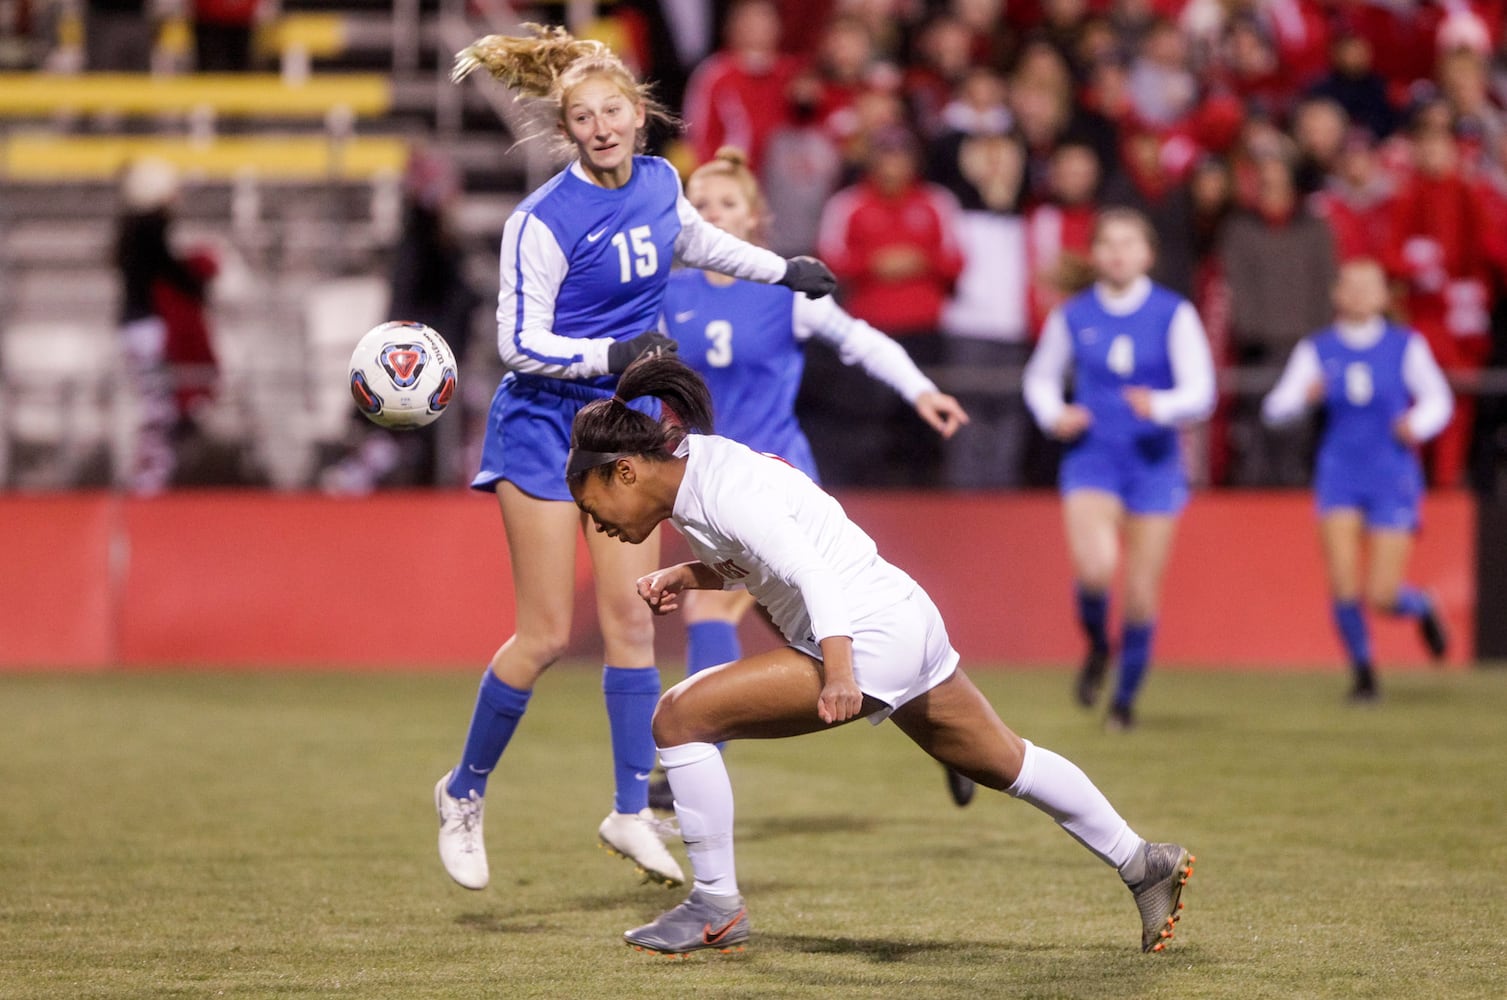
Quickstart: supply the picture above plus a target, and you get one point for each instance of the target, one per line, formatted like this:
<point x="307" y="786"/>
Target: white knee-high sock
<point x="1057" y="787"/>
<point x="704" y="806"/>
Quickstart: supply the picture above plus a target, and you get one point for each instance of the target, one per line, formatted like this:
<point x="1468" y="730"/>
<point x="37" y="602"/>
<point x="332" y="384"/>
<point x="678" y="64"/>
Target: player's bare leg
<point x="955" y="723"/>
<point x="768" y="696"/>
<point x="1092" y="520"/>
<point x="538" y="532"/>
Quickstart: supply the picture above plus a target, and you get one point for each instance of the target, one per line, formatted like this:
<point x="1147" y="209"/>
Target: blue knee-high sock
<point x="710" y="644"/>
<point x="1411" y="603"/>
<point x="1135" y="654"/>
<point x="1093" y="615"/>
<point x="499" y="707"/>
<point x="631" y="695"/>
<point x="1352" y="627"/>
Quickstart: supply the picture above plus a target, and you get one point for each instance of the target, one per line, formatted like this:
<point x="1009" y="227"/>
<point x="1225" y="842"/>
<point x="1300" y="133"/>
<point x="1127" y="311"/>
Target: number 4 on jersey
<point x="1121" y="356"/>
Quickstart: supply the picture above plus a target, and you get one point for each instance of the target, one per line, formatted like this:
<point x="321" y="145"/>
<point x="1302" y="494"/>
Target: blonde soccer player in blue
<point x="1383" y="395"/>
<point x="584" y="264"/>
<point x="863" y="640"/>
<point x="1141" y="369"/>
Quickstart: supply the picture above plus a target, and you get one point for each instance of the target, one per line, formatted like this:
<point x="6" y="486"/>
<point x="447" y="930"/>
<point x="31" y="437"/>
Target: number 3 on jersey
<point x="719" y="337"/>
<point x="643" y="259"/>
<point x="1121" y="356"/>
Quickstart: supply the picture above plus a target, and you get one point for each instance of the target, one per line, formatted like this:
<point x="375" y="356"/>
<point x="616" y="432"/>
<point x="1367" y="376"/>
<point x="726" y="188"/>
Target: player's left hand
<point x="809" y="275"/>
<point x="661" y="589"/>
<point x="1403" y="431"/>
<point x="840" y="700"/>
<point x="942" y="412"/>
<point x="1139" y="398"/>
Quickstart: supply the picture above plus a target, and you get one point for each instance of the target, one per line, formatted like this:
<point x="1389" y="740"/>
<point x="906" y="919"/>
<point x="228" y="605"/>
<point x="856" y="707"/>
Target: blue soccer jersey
<point x="616" y="246"/>
<point x="1375" y="376"/>
<point x="741" y="338"/>
<point x="1364" y="396"/>
<point x="1112" y="353"/>
<point x="1362" y="465"/>
<point x="1142" y="337"/>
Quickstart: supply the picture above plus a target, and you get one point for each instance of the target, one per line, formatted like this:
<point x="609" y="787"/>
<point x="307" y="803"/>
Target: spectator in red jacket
<point x="1439" y="249"/>
<point x="1254" y="72"/>
<point x="892" y="241"/>
<point x="1356" y="201"/>
<point x="737" y="95"/>
<point x="1464" y="83"/>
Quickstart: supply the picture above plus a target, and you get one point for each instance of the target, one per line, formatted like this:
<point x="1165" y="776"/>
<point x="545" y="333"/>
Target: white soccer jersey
<point x="761" y="523"/>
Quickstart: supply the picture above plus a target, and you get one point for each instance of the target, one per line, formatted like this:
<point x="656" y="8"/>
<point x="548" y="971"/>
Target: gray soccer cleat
<point x="1159" y="894"/>
<point x="702" y="921"/>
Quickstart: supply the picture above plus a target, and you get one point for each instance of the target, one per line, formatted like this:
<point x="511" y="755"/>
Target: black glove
<point x="623" y="353"/>
<point x="809" y="275"/>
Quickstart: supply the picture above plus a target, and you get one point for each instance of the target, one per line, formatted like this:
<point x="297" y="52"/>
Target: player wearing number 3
<point x="585" y="260"/>
<point x="1141" y="368"/>
<point x="1383" y="395"/>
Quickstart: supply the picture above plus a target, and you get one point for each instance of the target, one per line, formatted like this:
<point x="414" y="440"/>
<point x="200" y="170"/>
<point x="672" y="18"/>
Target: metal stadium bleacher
<point x="292" y="175"/>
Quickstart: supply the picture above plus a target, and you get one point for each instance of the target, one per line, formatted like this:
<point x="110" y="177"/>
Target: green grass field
<point x="273" y="836"/>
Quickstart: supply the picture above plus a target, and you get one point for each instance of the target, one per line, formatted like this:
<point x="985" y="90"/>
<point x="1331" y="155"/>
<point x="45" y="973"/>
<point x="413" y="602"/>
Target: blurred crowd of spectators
<point x="947" y="160"/>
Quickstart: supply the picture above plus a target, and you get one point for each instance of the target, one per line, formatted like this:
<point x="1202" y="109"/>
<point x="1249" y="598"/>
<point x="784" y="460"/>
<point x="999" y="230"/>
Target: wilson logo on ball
<point x="404" y="363"/>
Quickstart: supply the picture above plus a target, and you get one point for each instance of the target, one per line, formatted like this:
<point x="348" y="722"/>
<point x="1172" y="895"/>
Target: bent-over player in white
<point x="865" y="641"/>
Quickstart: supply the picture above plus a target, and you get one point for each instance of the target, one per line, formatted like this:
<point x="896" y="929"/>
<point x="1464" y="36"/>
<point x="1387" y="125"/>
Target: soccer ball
<point x="402" y="375"/>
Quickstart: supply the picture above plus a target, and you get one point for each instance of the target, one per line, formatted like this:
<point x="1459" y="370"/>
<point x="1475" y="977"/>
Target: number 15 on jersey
<point x="642" y="259"/>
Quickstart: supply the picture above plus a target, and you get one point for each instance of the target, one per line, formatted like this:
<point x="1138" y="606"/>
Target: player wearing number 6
<point x="1141" y="369"/>
<point x="584" y="264"/>
<point x="1383" y="395"/>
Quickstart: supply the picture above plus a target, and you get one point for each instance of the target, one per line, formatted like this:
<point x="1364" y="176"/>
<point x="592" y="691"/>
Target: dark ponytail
<point x="608" y="429"/>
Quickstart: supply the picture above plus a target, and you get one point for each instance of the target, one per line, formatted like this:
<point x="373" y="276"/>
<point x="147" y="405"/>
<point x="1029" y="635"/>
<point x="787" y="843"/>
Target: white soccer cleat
<point x="638" y="837"/>
<point x="461" y="848"/>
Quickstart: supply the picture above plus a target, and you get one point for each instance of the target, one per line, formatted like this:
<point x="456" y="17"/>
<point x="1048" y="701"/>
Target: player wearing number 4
<point x="746" y="341"/>
<point x="584" y="264"/>
<point x="863" y="641"/>
<point x="1383" y="395"/>
<point x="1141" y="368"/>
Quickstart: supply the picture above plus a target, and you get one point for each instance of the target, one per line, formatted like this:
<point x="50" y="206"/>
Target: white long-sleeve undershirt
<point x="857" y="343"/>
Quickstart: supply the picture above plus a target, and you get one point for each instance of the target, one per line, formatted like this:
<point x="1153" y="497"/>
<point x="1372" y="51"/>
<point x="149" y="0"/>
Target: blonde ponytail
<point x="532" y="66"/>
<point x="544" y="67"/>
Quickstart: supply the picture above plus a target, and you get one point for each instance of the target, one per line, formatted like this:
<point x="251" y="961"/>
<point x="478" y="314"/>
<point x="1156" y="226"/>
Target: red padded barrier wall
<point x="404" y="580"/>
<point x="56" y="594"/>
